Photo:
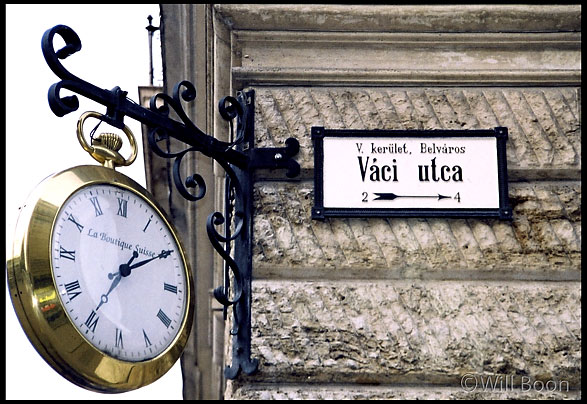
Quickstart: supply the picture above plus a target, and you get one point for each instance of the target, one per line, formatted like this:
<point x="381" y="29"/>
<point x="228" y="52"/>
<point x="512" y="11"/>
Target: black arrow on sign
<point x="391" y="196"/>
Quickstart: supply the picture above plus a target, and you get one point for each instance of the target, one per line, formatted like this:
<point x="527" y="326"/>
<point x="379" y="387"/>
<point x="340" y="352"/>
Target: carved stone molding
<point x="428" y="18"/>
<point x="345" y="58"/>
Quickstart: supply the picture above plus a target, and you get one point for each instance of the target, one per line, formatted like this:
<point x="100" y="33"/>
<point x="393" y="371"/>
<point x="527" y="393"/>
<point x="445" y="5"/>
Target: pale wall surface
<point x="407" y="308"/>
<point x="398" y="301"/>
<point x="411" y="308"/>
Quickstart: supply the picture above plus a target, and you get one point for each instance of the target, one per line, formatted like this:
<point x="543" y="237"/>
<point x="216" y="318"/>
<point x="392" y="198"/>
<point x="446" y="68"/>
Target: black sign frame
<point x="321" y="212"/>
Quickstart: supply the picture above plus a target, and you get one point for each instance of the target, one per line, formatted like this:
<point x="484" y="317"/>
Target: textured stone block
<point x="542" y="242"/>
<point x="543" y="123"/>
<point x="523" y="391"/>
<point x="432" y="333"/>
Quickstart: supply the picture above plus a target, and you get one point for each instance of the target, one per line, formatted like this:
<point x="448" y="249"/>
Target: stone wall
<point x="364" y="308"/>
<point x="405" y="308"/>
<point x="543" y="153"/>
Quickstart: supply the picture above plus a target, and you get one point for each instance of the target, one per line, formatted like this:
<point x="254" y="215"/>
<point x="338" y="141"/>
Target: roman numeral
<point x="148" y="223"/>
<point x="164" y="319"/>
<point x="72" y="289"/>
<point x="63" y="253"/>
<point x="72" y="219"/>
<point x="170" y="288"/>
<point x="91" y="322"/>
<point x="122" y="204"/>
<point x="147" y="342"/>
<point x="97" y="208"/>
<point x="118" y="339"/>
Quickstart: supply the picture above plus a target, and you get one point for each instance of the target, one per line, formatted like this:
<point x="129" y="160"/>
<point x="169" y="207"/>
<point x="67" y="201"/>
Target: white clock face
<point x="118" y="272"/>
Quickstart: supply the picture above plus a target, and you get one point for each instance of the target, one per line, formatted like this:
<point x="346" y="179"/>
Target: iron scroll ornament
<point x="239" y="158"/>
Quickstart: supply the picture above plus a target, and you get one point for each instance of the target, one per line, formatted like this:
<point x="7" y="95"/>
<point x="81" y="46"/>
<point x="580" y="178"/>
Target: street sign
<point x="410" y="173"/>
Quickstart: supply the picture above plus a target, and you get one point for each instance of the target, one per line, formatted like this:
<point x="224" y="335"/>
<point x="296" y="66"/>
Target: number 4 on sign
<point x="458" y="197"/>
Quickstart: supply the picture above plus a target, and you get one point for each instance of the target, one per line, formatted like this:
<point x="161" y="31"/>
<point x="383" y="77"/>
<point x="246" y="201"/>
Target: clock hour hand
<point x="164" y="254"/>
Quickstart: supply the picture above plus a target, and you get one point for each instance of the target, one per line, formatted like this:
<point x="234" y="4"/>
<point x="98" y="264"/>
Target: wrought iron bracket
<point x="239" y="158"/>
<point x="277" y="157"/>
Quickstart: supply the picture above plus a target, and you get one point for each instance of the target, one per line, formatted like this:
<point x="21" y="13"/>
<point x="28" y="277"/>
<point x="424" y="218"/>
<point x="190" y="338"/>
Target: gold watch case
<point x="37" y="304"/>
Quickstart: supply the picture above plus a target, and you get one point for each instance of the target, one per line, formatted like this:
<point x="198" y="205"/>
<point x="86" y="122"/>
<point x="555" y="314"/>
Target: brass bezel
<point x="37" y="304"/>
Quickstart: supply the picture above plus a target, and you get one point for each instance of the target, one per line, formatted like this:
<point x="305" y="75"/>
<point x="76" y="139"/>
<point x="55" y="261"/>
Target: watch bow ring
<point x="104" y="149"/>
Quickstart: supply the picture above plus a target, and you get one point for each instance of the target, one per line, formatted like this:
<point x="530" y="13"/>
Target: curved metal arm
<point x="118" y="106"/>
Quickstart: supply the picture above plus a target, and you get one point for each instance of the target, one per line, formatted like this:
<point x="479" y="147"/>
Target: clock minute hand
<point x="164" y="254"/>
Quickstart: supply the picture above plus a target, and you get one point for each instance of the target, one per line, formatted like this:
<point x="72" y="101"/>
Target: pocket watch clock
<point x="98" y="276"/>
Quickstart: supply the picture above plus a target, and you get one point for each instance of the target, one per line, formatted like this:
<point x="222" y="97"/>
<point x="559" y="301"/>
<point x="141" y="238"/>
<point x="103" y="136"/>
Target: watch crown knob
<point x="110" y="141"/>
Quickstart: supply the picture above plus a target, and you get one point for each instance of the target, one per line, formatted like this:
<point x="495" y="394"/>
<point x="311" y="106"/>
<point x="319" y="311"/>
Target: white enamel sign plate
<point x="410" y="173"/>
